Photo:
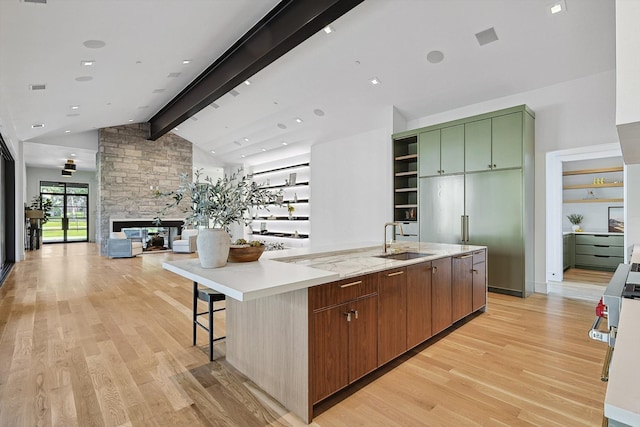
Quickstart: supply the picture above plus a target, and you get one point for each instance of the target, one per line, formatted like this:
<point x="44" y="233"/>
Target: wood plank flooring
<point x="91" y="341"/>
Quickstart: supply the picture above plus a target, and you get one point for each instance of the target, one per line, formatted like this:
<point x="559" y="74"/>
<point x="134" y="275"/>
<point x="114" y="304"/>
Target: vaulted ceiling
<point x="324" y="82"/>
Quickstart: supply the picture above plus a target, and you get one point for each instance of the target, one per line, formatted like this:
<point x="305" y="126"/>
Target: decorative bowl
<point x="245" y="253"/>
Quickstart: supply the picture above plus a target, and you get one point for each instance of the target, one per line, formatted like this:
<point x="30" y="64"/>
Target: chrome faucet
<point x="395" y="224"/>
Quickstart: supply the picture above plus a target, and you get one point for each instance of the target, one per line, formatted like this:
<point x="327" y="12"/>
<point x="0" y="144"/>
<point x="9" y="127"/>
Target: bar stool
<point x="209" y="296"/>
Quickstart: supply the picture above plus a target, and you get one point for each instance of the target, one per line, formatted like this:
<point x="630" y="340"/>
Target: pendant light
<point x="70" y="166"/>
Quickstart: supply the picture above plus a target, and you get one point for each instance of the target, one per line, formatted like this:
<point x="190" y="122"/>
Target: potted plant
<point x="575" y="220"/>
<point x="213" y="206"/>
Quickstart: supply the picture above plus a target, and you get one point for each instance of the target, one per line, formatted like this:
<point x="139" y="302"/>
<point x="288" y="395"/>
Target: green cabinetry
<point x="442" y="151"/>
<point x="489" y="143"/>
<point x="568" y="251"/>
<point x="599" y="251"/>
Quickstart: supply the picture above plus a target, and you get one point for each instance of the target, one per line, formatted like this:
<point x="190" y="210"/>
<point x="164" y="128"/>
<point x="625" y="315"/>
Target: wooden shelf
<point x="407" y="157"/>
<point x="608" y="184"/>
<point x="281" y="218"/>
<point x="410" y="173"/>
<point x="404" y="190"/>
<point x="282" y="235"/>
<point x="297" y="184"/>
<point x="406" y="206"/>
<point x="301" y="165"/>
<point x="595" y="201"/>
<point x="588" y="171"/>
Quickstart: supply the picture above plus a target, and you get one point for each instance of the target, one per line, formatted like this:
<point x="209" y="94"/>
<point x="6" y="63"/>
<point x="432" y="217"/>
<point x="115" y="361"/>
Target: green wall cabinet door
<point x="441" y="151"/>
<point x="429" y="153"/>
<point x="477" y="149"/>
<point x="452" y="150"/>
<point x="507" y="141"/>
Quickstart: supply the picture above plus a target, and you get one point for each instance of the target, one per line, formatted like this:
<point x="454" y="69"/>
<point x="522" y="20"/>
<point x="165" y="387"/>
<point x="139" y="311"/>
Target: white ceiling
<point x="387" y="39"/>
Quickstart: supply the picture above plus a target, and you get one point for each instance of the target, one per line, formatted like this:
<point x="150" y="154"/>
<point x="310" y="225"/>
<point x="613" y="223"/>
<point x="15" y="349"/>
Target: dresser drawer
<point x="479" y="256"/>
<point x="342" y="291"/>
<point x="600" y="261"/>
<point x="599" y="239"/>
<point x="617" y="251"/>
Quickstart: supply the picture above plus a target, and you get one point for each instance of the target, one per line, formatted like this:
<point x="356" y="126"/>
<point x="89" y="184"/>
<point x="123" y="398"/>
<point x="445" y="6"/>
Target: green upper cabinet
<point x="507" y="134"/>
<point x="477" y="149"/>
<point x="442" y="151"/>
<point x="494" y="143"/>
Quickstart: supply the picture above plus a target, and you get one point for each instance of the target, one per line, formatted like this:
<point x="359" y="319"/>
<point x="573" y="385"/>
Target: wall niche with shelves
<point x="277" y="223"/>
<point x="405" y="186"/>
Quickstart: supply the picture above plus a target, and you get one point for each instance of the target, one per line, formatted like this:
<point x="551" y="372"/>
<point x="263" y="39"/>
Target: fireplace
<point x="148" y="233"/>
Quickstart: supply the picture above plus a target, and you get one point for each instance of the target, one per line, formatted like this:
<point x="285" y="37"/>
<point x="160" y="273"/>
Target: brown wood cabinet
<point x="418" y="303"/>
<point x="461" y="286"/>
<point x="479" y="280"/>
<point x="392" y="314"/>
<point x="343" y="333"/>
<point x="441" y="317"/>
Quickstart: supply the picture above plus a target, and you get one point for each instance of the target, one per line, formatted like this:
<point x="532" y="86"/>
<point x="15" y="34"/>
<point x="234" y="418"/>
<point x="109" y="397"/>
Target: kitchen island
<point x="304" y="323"/>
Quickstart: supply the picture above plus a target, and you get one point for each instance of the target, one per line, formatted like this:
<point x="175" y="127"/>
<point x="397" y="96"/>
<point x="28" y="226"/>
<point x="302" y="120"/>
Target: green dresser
<point x="599" y="251"/>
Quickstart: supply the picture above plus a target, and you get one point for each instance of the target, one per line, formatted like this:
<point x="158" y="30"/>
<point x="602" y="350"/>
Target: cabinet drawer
<point x="598" y="261"/>
<point x="479" y="256"/>
<point x="617" y="251"/>
<point x="342" y="291"/>
<point x="599" y="239"/>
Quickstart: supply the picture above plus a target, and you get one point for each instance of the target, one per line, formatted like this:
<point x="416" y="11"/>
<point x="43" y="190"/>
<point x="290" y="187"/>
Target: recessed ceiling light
<point x="318" y="112"/>
<point x="87" y="62"/>
<point x="328" y="29"/>
<point x="243" y="156"/>
<point x="67" y="131"/>
<point x="37" y="125"/>
<point x="73" y="154"/>
<point x="41" y="86"/>
<point x="176" y="129"/>
<point x="84" y="78"/>
<point x="487" y="36"/>
<point x="435" y="56"/>
<point x="374" y="81"/>
<point x="186" y="61"/>
<point x="213" y="152"/>
<point x="282" y="126"/>
<point x="130" y="120"/>
<point x="298" y="120"/>
<point x="138" y="62"/>
<point x="247" y="82"/>
<point x="557" y="7"/>
<point x="246" y="139"/>
<point x="234" y="92"/>
<point x="94" y="44"/>
<point x="284" y="143"/>
<point x="263" y="149"/>
<point x="75" y="107"/>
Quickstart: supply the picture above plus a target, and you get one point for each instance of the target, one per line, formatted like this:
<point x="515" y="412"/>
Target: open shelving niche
<point x="274" y="224"/>
<point x="578" y="184"/>
<point x="405" y="186"/>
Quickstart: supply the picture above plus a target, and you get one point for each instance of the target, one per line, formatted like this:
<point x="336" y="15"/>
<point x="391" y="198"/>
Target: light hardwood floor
<point x="91" y="341"/>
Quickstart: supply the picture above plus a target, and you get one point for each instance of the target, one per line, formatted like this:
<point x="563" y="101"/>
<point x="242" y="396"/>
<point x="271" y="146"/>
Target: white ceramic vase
<point x="575" y="227"/>
<point x="213" y="247"/>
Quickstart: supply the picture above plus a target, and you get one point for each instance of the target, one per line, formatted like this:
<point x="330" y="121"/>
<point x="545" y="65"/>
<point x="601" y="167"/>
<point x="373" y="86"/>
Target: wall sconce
<point x="70" y="166"/>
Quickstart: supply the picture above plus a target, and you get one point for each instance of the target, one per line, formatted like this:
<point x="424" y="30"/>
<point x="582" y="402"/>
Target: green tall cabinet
<point x="476" y="187"/>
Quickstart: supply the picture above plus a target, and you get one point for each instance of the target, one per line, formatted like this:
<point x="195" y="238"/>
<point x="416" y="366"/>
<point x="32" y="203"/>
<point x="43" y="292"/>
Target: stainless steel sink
<point x="403" y="256"/>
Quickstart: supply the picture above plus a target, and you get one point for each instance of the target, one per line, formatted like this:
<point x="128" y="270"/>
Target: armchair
<point x="119" y="246"/>
<point x="186" y="243"/>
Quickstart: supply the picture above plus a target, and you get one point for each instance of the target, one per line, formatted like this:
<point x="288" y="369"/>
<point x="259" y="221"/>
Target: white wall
<point x="351" y="188"/>
<point x="35" y="175"/>
<point x="632" y="205"/>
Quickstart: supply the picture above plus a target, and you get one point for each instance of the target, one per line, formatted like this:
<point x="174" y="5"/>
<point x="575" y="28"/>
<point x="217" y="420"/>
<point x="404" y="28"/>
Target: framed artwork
<point x="616" y="219"/>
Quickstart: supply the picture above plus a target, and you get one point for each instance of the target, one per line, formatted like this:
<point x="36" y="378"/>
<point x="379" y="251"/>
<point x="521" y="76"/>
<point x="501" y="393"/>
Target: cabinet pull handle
<point x="489" y="166"/>
<point x="494" y="165"/>
<point x="601" y="256"/>
<point x="434" y="269"/>
<point x="348" y="314"/>
<point x="601" y="246"/>
<point x="355" y="313"/>
<point x="395" y="274"/>
<point x="473" y="270"/>
<point x="346" y="285"/>
<point x="464" y="256"/>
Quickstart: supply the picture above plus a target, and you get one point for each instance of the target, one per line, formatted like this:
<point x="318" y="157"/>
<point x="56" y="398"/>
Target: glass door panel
<point x="75" y="223"/>
<point x="52" y="230"/>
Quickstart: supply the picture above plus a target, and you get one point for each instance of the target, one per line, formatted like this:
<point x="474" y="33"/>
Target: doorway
<point x="555" y="216"/>
<point x="69" y="215"/>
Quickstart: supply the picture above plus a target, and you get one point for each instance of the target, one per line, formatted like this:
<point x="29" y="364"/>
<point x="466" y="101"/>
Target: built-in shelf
<point x="594" y="201"/>
<point x="401" y="190"/>
<point x="409" y="173"/>
<point x="284" y="168"/>
<point x="297" y="184"/>
<point x="407" y="158"/>
<point x="405" y="179"/>
<point x="281" y="235"/>
<point x="282" y="218"/>
<point x="613" y="174"/>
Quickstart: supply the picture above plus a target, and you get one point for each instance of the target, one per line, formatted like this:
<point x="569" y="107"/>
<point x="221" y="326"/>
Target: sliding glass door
<point x="69" y="215"/>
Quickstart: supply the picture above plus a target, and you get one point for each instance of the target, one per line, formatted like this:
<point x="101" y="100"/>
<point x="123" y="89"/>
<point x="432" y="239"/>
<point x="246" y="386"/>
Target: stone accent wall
<point x="130" y="167"/>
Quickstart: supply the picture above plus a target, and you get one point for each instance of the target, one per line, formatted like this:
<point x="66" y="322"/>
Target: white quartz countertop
<point x="278" y="272"/>
<point x="622" y="401"/>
